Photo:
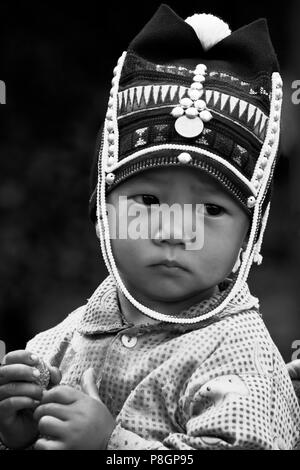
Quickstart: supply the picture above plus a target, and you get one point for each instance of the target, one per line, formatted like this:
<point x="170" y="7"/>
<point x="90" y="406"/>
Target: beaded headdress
<point x="194" y="93"/>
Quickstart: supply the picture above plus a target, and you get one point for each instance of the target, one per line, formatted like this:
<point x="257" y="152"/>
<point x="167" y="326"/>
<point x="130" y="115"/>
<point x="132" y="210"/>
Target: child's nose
<point x="171" y="235"/>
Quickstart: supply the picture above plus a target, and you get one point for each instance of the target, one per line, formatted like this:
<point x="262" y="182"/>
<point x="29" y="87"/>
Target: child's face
<point x="225" y="227"/>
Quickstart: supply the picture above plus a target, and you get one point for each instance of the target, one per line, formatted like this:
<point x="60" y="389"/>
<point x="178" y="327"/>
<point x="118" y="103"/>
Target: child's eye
<point x="147" y="199"/>
<point x="213" y="209"/>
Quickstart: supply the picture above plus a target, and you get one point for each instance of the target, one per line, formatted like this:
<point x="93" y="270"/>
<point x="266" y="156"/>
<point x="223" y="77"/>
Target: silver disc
<point x="189" y="127"/>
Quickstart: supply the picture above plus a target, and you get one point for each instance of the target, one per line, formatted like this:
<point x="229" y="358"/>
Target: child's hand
<point x="294" y="369"/>
<point x="71" y="419"/>
<point x="20" y="394"/>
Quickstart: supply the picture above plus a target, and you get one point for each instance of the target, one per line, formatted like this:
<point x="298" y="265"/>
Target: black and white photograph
<point x="149" y="228"/>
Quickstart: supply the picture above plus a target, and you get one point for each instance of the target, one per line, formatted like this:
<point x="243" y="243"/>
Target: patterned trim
<point x="149" y="97"/>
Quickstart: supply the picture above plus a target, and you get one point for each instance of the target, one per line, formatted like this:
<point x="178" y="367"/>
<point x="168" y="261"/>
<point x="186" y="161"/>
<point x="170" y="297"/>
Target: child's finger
<point x="62" y="394"/>
<point x="18" y="372"/>
<point x="13" y="404"/>
<point x="20" y="357"/>
<point x="19" y="389"/>
<point x="52" y="427"/>
<point x="52" y="409"/>
<point x="49" y="444"/>
<point x="55" y="375"/>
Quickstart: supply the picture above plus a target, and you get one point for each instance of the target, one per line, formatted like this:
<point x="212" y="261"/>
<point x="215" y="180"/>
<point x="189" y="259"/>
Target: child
<point x="180" y="355"/>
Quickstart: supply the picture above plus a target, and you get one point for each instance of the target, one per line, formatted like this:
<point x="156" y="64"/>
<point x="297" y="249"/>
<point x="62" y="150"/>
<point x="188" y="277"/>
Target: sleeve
<point x="240" y="397"/>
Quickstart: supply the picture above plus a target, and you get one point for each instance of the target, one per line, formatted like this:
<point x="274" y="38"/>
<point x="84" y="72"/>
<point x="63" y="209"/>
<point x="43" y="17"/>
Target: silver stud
<point x="200" y="104"/>
<point x="184" y="157"/>
<point x="251" y="201"/>
<point x="206" y="115"/>
<point x="199" y="78"/>
<point x="186" y="102"/>
<point x="196" y="86"/>
<point x="191" y="112"/>
<point x="195" y="94"/>
<point x="201" y="68"/>
<point x="177" y="112"/>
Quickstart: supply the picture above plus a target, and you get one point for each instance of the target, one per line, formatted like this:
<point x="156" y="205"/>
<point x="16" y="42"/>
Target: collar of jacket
<point x="102" y="314"/>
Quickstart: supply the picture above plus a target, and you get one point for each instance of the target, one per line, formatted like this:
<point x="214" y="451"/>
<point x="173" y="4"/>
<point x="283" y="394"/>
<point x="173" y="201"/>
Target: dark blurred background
<point x="57" y="62"/>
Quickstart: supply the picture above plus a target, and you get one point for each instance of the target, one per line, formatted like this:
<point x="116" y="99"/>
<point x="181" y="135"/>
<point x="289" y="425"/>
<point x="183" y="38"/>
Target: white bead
<point x="200" y="104"/>
<point x="206" y="116"/>
<point x="184" y="157"/>
<point x="116" y="70"/>
<point x="278" y="95"/>
<point x="268" y="151"/>
<point x="191" y="112"/>
<point x="257" y="258"/>
<point x="111" y="149"/>
<point x="195" y="94"/>
<point x="109" y="115"/>
<point x="256" y="184"/>
<point x="274" y="128"/>
<point x="259" y="173"/>
<point x="199" y="78"/>
<point x="196" y="86"/>
<point x="279" y="83"/>
<point x="271" y="141"/>
<point x="110" y="161"/>
<point x="186" y="102"/>
<point x="112" y="92"/>
<point x="111" y="138"/>
<point x="110" y="102"/>
<point x="276" y="117"/>
<point x="114" y="81"/>
<point x="277" y="107"/>
<point x="264" y="162"/>
<point x="110" y="126"/>
<point x="177" y="112"/>
<point x="110" y="178"/>
<point x="251" y="201"/>
<point x="201" y="68"/>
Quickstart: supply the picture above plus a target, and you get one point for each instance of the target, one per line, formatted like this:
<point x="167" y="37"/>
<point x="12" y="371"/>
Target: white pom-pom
<point x="209" y="28"/>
